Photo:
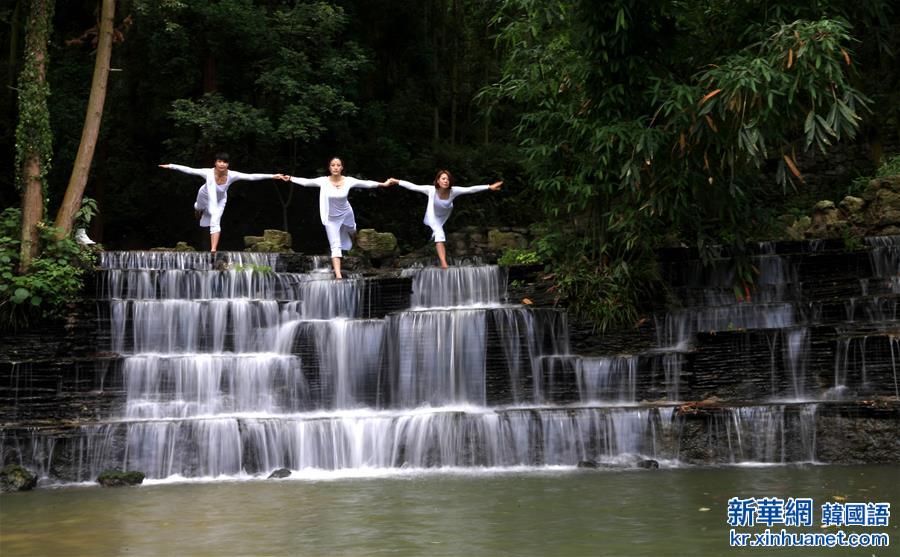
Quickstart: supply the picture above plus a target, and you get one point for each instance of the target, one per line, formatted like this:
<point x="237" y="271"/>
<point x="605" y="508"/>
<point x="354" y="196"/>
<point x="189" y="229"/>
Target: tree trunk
<point x="81" y="169"/>
<point x="33" y="132"/>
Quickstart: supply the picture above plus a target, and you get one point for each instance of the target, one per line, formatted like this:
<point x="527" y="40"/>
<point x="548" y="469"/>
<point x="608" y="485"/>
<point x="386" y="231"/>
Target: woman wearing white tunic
<point x="218" y="180"/>
<point x="334" y="209"/>
<point x="440" y="204"/>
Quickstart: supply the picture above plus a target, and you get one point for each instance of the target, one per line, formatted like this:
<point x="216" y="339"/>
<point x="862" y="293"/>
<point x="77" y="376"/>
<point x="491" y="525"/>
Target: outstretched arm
<point x="354" y="183"/>
<point x="307" y="182"/>
<point x="255" y="177"/>
<point x="414" y="187"/>
<point x="185" y="169"/>
<point x="457" y="191"/>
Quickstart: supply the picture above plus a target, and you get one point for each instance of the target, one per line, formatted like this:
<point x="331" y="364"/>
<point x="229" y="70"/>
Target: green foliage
<point x="86" y="213"/>
<point x="54" y="280"/>
<point x="638" y="123"/>
<point x="251" y="267"/>
<point x="851" y="241"/>
<point x="294" y="57"/>
<point x="890" y="167"/>
<point x="515" y="256"/>
<point x="218" y="120"/>
<point x="607" y="295"/>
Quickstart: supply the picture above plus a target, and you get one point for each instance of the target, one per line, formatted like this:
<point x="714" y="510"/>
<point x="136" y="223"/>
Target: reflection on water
<point x="557" y="512"/>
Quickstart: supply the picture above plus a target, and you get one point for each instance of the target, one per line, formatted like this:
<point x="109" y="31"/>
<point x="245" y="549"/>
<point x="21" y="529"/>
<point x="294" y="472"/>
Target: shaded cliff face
<point x="187" y="365"/>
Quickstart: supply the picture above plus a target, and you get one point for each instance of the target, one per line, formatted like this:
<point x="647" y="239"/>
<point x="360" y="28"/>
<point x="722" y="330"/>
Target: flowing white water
<point x="233" y="371"/>
<point x="457" y="286"/>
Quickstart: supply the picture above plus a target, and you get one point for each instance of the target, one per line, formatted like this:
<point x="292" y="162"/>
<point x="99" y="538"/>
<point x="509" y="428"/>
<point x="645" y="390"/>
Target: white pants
<point x="339" y="237"/>
<point x="208" y="219"/>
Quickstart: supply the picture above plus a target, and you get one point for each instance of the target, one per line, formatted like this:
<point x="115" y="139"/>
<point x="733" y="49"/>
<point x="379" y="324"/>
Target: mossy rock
<point x="116" y="478"/>
<point x="499" y="241"/>
<point x="824" y="206"/>
<point x="279" y="237"/>
<point x="272" y="241"/>
<point x="266" y="247"/>
<point x="251" y="241"/>
<point x="16" y="478"/>
<point x="376" y="244"/>
<point x="180" y="246"/>
<point x="884" y="209"/>
<point x="797" y="231"/>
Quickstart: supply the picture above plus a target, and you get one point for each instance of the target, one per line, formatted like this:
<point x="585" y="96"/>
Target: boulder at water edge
<point x="280" y="473"/>
<point x="16" y="478"/>
<point x="115" y="478"/>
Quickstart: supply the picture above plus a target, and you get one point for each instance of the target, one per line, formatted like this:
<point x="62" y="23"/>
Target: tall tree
<point x="65" y="217"/>
<point x="33" y="135"/>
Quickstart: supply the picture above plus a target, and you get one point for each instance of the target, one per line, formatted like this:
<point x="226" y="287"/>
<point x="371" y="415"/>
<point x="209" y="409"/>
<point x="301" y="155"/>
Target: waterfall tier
<point x="238" y="364"/>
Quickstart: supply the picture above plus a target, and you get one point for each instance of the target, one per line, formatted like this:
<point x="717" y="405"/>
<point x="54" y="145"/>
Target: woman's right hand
<point x="165" y="166"/>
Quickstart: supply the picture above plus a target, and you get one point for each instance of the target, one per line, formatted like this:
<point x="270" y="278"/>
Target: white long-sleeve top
<point x="333" y="204"/>
<point x="438" y="210"/>
<point x="213" y="195"/>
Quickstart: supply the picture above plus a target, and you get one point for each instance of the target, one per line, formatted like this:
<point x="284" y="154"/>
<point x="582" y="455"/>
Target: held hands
<point x="389" y="182"/>
<point x="496" y="185"/>
<point x="284" y="177"/>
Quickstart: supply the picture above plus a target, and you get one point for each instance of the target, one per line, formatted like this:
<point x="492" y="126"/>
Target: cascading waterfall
<point x="232" y="369"/>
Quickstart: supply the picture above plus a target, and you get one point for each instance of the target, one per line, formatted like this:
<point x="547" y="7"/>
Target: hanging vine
<point x="33" y="135"/>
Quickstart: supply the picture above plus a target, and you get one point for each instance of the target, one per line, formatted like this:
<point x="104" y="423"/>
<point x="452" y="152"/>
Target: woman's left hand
<point x="496" y="185"/>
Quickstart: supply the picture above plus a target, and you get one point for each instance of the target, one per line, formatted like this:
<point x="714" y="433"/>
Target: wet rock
<point x="16" y="478"/>
<point x="116" y="478"/>
<point x="280" y="473"/>
<point x="648" y="464"/>
<point x="376" y="244"/>
<point x="588" y="464"/>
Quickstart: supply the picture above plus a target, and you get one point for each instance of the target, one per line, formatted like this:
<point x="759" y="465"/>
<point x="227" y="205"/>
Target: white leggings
<point x="338" y="237"/>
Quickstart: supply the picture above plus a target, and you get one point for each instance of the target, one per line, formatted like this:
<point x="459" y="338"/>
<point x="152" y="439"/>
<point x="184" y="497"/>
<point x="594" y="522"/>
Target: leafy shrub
<point x="515" y="256"/>
<point x="890" y="167"/>
<point x="54" y="280"/>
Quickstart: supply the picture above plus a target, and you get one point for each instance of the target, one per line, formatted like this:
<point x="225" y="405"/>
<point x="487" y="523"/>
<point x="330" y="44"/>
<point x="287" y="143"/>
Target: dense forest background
<point x="618" y="126"/>
<point x="281" y="87"/>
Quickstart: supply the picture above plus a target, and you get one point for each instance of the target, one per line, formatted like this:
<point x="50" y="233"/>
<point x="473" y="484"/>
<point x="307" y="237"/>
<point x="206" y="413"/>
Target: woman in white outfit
<point x="334" y="209"/>
<point x="440" y="204"/>
<point x="218" y="180"/>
